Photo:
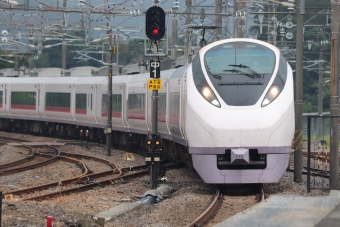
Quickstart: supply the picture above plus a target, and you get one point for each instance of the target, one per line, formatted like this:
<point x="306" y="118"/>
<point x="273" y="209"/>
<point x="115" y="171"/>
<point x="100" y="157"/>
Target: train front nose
<point x="214" y="171"/>
<point x="240" y="153"/>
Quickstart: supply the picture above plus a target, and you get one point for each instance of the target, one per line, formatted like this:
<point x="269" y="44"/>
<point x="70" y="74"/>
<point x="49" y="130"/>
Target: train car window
<point x="240" y="71"/>
<point x="174" y="110"/>
<point x="23" y="100"/>
<point x="1" y="98"/>
<point x="116" y="103"/>
<point x="136" y="102"/>
<point x="162" y="106"/>
<point x="136" y="106"/>
<point x="81" y="103"/>
<point x="91" y="101"/>
<point x="104" y="105"/>
<point x="57" y="101"/>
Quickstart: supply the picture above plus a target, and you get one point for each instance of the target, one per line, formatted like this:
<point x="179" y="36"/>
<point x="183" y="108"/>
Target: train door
<point x="124" y="102"/>
<point x="41" y="100"/>
<point x="84" y="104"/>
<point x="118" y="122"/>
<point x="73" y="101"/>
<point x="7" y="99"/>
<point x="90" y="109"/>
<point x="3" y="99"/>
<point x="99" y="108"/>
<point x="183" y="100"/>
<point x="177" y="102"/>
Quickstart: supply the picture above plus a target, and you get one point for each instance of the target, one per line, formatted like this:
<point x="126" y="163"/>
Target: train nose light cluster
<point x="273" y="92"/>
<point x="209" y="95"/>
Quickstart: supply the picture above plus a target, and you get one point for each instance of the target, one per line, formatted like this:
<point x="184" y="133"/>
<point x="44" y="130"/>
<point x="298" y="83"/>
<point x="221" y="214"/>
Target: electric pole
<point x="298" y="96"/>
<point x="218" y="20"/>
<point x="240" y="22"/>
<point x="320" y="95"/>
<point x="272" y="25"/>
<point x="174" y="35"/>
<point x="63" y="46"/>
<point x="187" y="48"/>
<point x="334" y="99"/>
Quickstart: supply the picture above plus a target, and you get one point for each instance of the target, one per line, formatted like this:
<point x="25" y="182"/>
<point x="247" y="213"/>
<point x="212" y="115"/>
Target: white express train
<point x="231" y="110"/>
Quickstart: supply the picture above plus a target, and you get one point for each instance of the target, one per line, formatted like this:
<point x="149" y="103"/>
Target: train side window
<point x="81" y="101"/>
<point x="116" y="103"/>
<point x="1" y="98"/>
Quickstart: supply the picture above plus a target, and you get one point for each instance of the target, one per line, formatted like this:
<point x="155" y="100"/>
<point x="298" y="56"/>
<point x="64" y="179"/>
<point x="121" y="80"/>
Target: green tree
<point x="4" y="63"/>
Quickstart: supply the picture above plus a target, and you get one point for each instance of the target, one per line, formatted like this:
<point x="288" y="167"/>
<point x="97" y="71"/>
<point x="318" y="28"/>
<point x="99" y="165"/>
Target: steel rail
<point x="20" y="161"/>
<point x="33" y="166"/>
<point x="209" y="212"/>
<point x="109" y="163"/>
<point x="111" y="181"/>
<point x="83" y="187"/>
<point x="11" y="139"/>
<point x="85" y="174"/>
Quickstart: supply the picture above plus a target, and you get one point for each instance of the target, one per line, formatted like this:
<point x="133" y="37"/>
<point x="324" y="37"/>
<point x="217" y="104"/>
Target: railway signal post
<point x="108" y="131"/>
<point x="154" y="30"/>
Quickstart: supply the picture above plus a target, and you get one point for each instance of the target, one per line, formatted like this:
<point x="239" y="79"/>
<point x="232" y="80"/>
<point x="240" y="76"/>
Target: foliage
<point x="131" y="52"/>
<point x="5" y="64"/>
<point x="315" y="34"/>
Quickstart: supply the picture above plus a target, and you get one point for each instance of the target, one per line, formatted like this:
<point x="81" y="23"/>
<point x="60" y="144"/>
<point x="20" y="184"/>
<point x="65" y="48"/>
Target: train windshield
<point x="237" y="57"/>
<point x="240" y="71"/>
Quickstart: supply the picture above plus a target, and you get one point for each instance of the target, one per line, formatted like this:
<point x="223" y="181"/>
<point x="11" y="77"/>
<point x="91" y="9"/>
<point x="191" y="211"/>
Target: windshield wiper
<point x="250" y="69"/>
<point x="240" y="72"/>
<point x="240" y="83"/>
<point x="214" y="75"/>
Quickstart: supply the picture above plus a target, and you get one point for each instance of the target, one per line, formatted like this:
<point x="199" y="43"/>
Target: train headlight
<point x="273" y="92"/>
<point x="209" y="95"/>
<point x="206" y="92"/>
<point x="201" y="83"/>
<point x="278" y="83"/>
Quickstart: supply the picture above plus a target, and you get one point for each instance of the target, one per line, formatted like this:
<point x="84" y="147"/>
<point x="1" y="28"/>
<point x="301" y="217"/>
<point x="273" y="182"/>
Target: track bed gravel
<point x="192" y="195"/>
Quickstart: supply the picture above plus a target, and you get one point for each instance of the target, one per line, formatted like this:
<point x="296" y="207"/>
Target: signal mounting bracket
<point x="204" y="27"/>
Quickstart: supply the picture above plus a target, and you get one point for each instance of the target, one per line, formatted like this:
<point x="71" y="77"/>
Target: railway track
<point x="209" y="212"/>
<point x="20" y="161"/>
<point x="5" y="139"/>
<point x="322" y="165"/>
<point x="40" y="160"/>
<point x="214" y="207"/>
<point x="87" y="178"/>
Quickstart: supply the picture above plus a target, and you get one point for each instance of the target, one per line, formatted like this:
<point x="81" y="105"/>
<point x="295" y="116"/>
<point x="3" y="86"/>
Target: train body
<point x="232" y="108"/>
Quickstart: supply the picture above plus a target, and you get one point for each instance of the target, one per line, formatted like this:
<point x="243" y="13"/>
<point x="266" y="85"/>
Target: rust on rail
<point x="209" y="212"/>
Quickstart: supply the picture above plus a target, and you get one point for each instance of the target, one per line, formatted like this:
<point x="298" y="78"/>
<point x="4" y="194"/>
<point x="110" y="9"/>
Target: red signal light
<point x="155" y="31"/>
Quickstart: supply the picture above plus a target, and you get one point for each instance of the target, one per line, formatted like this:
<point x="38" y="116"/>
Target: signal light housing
<point x="155" y="23"/>
<point x="154" y="142"/>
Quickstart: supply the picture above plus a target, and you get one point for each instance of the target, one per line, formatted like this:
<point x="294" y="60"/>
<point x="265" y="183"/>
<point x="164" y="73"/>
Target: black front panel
<point x="240" y="71"/>
<point x="256" y="161"/>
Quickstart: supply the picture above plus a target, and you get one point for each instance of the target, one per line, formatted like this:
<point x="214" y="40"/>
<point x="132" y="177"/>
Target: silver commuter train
<point x="232" y="109"/>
